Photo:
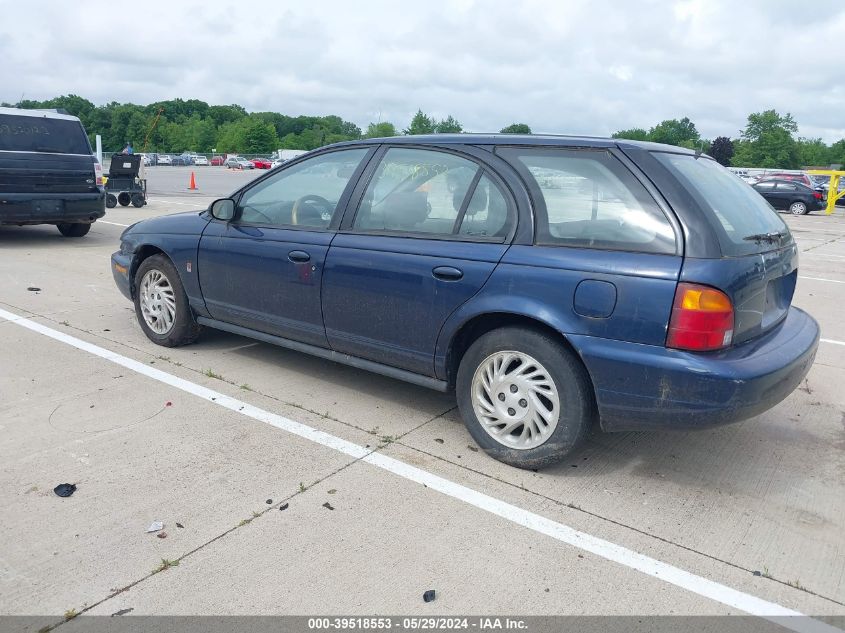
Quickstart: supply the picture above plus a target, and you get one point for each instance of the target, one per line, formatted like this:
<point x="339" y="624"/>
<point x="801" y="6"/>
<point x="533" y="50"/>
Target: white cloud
<point x="584" y="67"/>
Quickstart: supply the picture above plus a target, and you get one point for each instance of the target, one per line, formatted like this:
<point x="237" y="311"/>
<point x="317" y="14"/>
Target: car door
<point x="767" y="190"/>
<point x="426" y="231"/>
<point x="263" y="269"/>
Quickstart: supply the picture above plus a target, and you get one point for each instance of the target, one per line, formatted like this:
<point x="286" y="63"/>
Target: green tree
<point x="380" y="130"/>
<point x="516" y="128"/>
<point x="449" y="125"/>
<point x="812" y="152"/>
<point x="674" y="132"/>
<point x="722" y="149"/>
<point x="420" y="124"/>
<point x="634" y="134"/>
<point x="837" y="153"/>
<point x="767" y="141"/>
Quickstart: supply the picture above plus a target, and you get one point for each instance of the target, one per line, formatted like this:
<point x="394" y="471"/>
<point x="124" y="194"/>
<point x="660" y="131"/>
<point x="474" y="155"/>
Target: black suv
<point x="48" y="173"/>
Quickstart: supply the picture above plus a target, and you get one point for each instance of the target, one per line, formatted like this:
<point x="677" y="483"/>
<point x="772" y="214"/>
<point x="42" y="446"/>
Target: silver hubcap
<point x="158" y="302"/>
<point x="515" y="399"/>
<point x="798" y="208"/>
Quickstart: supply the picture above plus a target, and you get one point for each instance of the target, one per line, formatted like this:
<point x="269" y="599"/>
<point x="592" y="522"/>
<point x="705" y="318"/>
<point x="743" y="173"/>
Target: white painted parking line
<point x="112" y="223"/>
<point x="833" y="281"/>
<point x="610" y="551"/>
<point x="184" y="204"/>
<point x="831" y="341"/>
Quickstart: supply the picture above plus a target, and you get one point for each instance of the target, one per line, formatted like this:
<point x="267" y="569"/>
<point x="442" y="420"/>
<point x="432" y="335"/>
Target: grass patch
<point x="70" y="614"/>
<point x="166" y="564"/>
<point x="211" y="374"/>
<point x="246" y="387"/>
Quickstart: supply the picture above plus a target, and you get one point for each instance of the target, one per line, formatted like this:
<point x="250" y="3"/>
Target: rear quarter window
<point x="42" y="134"/>
<point x="589" y="199"/>
<point x="734" y="209"/>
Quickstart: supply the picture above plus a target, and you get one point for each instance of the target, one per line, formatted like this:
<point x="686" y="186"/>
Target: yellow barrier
<point x="833" y="193"/>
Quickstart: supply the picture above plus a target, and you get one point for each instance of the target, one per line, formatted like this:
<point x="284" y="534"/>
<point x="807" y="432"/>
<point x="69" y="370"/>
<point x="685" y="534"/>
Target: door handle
<point x="299" y="257"/>
<point x="447" y="273"/>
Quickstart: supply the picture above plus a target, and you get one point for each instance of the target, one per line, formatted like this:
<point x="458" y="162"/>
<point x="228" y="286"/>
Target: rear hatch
<point x="759" y="264"/>
<point x="44" y="155"/>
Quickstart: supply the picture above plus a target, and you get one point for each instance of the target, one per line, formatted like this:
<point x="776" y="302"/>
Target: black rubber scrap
<point x="269" y="502"/>
<point x="284" y="506"/>
<point x="64" y="490"/>
<point x="328" y="506"/>
<point x="123" y="611"/>
<point x="34" y="289"/>
<point x="179" y="525"/>
<point x="428" y="596"/>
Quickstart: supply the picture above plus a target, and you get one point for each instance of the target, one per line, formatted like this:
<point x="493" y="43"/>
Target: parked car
<point x="165" y="159"/>
<point x="180" y="160"/>
<point x="238" y="162"/>
<point x="201" y="161"/>
<point x="262" y="163"/>
<point x="803" y="179"/>
<point x="791" y="196"/>
<point x="548" y="281"/>
<point x="48" y="172"/>
<point x="277" y="162"/>
<point x="217" y="161"/>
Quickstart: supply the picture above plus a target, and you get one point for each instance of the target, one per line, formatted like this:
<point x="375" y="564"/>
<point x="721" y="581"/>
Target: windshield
<point x="735" y="210"/>
<point x="42" y="134"/>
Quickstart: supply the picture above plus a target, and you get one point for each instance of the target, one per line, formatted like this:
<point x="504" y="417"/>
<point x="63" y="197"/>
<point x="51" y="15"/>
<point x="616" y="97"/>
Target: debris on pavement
<point x="284" y="506"/>
<point x="155" y="526"/>
<point x="328" y="506"/>
<point x="122" y="612"/>
<point x="472" y="448"/>
<point x="332" y="491"/>
<point x="757" y="573"/>
<point x="428" y="596"/>
<point x="168" y="404"/>
<point x="64" y="490"/>
<point x="34" y="289"/>
<point x="269" y="502"/>
<point x="162" y="535"/>
<point x="439" y="440"/>
<point x="179" y="525"/>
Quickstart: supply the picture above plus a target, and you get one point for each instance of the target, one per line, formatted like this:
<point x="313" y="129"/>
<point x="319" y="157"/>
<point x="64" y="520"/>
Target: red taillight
<point x="817" y="195"/>
<point x="702" y="319"/>
<point x="98" y="174"/>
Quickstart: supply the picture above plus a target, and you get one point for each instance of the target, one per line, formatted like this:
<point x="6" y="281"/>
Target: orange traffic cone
<point x="193" y="185"/>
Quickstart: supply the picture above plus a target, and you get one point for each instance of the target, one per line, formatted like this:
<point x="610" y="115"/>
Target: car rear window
<point x="589" y="199"/>
<point x="734" y="209"/>
<point x="42" y="134"/>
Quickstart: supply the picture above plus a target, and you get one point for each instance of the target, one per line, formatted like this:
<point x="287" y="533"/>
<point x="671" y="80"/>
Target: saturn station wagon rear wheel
<point x="161" y="304"/>
<point x="525" y="399"/>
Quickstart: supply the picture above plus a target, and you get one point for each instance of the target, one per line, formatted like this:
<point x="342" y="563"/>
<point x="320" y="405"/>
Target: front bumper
<point x="121" y="266"/>
<point x="649" y="387"/>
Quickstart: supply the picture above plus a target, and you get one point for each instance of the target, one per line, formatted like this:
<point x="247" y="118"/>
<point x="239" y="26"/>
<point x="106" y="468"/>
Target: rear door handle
<point x="447" y="273"/>
<point x="299" y="256"/>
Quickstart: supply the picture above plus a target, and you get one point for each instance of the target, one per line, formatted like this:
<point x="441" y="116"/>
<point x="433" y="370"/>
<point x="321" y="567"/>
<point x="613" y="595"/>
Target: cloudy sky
<point x="567" y="66"/>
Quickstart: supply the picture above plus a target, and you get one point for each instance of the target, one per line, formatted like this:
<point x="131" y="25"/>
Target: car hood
<point x="188" y="223"/>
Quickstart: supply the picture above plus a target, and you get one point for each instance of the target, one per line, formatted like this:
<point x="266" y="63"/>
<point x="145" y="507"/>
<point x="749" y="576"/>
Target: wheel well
<point x="480" y="325"/>
<point x="140" y="255"/>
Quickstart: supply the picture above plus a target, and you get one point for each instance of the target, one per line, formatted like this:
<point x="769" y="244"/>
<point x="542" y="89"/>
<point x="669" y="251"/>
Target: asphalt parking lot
<point x="385" y="494"/>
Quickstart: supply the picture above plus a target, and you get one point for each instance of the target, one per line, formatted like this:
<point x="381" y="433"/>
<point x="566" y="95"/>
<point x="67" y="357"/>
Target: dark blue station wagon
<point x="550" y="281"/>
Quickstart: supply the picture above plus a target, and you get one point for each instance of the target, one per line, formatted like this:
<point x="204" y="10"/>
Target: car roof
<point x="782" y="181"/>
<point x="47" y="114"/>
<point x="546" y="140"/>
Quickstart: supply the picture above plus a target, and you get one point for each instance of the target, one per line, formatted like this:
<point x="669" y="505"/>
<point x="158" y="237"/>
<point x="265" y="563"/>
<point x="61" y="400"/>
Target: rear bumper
<point x="34" y="208"/>
<point x="644" y="386"/>
<point x="121" y="265"/>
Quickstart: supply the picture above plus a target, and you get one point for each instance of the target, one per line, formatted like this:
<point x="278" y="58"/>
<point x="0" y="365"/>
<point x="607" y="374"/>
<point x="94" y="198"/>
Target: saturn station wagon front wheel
<point x="161" y="304"/>
<point x="525" y="399"/>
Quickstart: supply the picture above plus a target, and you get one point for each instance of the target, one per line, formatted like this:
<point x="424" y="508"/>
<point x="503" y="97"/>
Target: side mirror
<point x="223" y="209"/>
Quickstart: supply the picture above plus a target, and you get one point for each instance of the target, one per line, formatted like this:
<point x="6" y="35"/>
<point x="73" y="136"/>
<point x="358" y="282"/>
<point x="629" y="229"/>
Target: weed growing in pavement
<point x="166" y="564"/>
<point x="210" y="373"/>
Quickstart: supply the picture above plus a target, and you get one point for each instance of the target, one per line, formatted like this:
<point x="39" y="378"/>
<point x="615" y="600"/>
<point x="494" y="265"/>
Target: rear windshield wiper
<point x="765" y="237"/>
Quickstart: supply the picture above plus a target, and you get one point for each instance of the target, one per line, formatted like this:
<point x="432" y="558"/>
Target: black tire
<point x="111" y="200"/>
<point x="76" y="229"/>
<point x="799" y="207"/>
<point x="123" y="199"/>
<point x="575" y="394"/>
<point x="184" y="329"/>
<point x="138" y="200"/>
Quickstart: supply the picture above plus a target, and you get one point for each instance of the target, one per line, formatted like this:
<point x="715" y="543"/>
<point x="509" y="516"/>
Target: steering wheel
<point x="310" y="198"/>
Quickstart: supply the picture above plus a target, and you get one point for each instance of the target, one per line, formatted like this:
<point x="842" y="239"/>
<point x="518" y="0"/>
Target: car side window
<point x="589" y="199"/>
<point x="416" y="191"/>
<point x="786" y="186"/>
<point x="486" y="215"/>
<point x="765" y="186"/>
<point x="303" y="195"/>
